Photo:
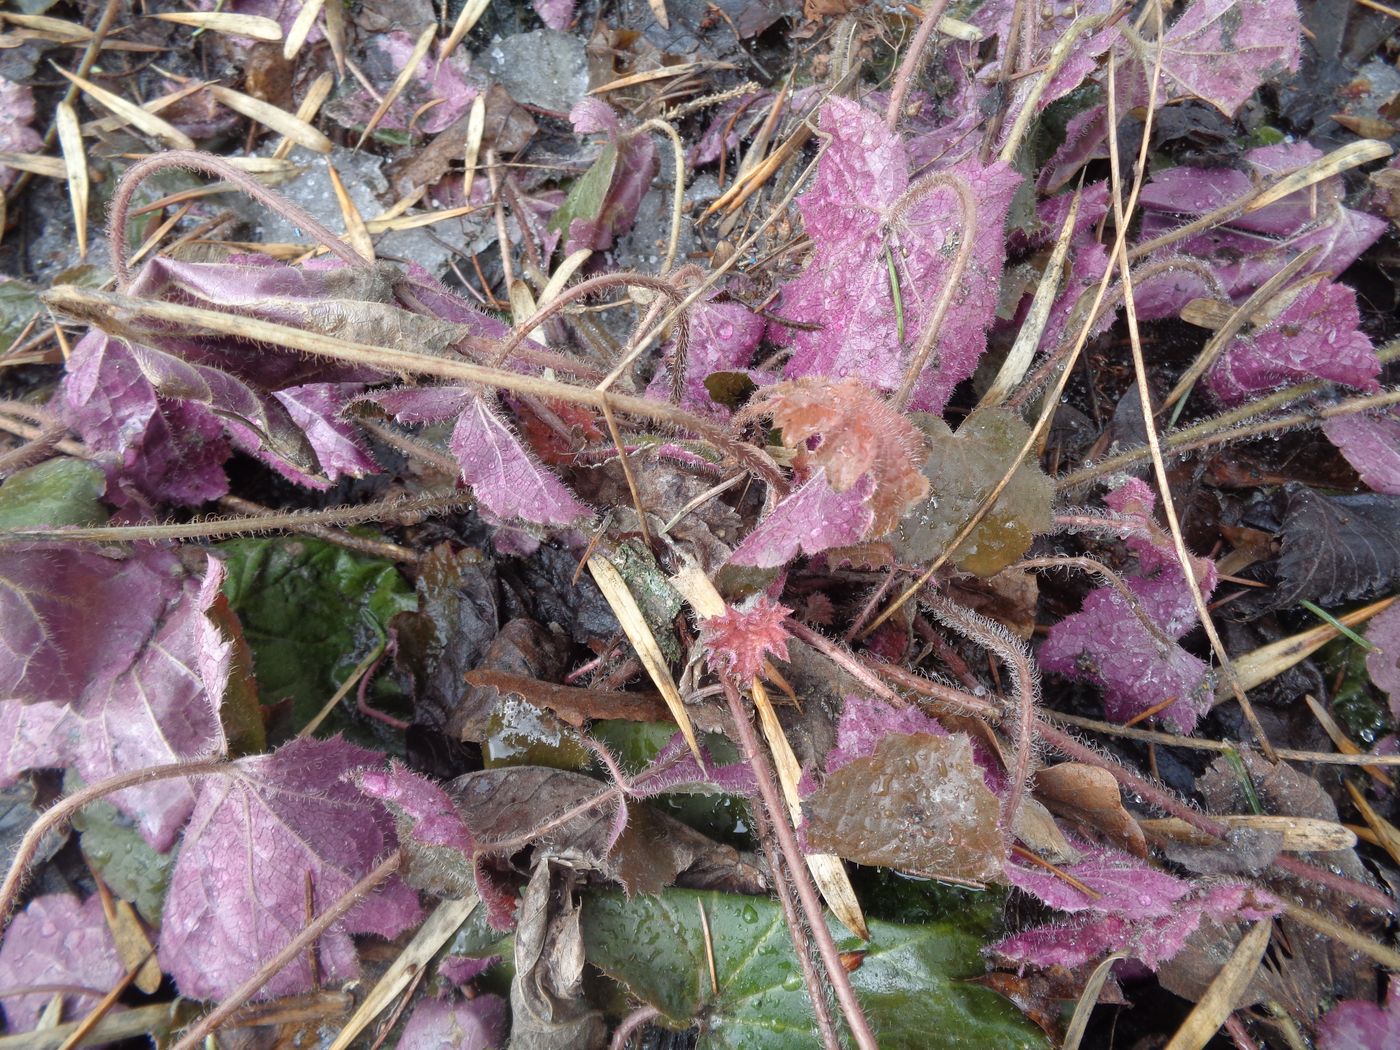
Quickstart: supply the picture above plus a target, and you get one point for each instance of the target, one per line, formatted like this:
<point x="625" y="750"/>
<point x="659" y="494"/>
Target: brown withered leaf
<point x="1009" y="598"/>
<point x="502" y="805"/>
<point x="547" y="1005"/>
<point x="573" y="704"/>
<point x="918" y="803"/>
<point x="508" y="128"/>
<point x="1088" y="796"/>
<point x="857" y="433"/>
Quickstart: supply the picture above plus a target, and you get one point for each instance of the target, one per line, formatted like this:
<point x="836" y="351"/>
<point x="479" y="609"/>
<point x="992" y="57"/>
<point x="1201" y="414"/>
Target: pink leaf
<point x="1383" y="663"/>
<point x="865" y="722"/>
<point x="1105" y="642"/>
<point x="1126" y="885"/>
<point x="130" y="670"/>
<point x="740" y="640"/>
<point x="1371" y="444"/>
<point x="57" y="942"/>
<point x="238" y="891"/>
<point x="1316" y="336"/>
<point x="504" y="475"/>
<point x="846" y="287"/>
<point x="1221" y="51"/>
<point x="456" y="1024"/>
<point x="1358" y="1025"/>
<point x="439" y="93"/>
<point x="16" y="136"/>
<point x="1153" y="941"/>
<point x="813" y="518"/>
<point x="317" y="408"/>
<point x="723" y="337"/>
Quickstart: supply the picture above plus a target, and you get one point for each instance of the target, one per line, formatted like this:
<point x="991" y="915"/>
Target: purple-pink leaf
<point x="1153" y="941"/>
<point x="317" y="408"/>
<point x="1371" y="444"/>
<point x="57" y="942"/>
<point x="16" y="135"/>
<point x="153" y="448"/>
<point x="1221" y="51"/>
<point x="436" y="96"/>
<point x="1383" y="662"/>
<point x="456" y="1024"/>
<point x="812" y="518"/>
<point x="1125" y="885"/>
<point x="1358" y="1025"/>
<point x="259" y="835"/>
<point x="111" y="667"/>
<point x="1316" y="336"/>
<point x="865" y="722"/>
<point x="557" y="14"/>
<point x="503" y="473"/>
<point x="1107" y="642"/>
<point x="863" y="222"/>
<point x="603" y="204"/>
<point x="723" y="337"/>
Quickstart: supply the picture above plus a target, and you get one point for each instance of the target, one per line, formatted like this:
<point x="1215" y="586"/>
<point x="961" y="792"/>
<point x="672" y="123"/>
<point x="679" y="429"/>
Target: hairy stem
<point x="797" y="870"/>
<point x="64" y="808"/>
<point x="207" y="164"/>
<point x="933" y="14"/>
<point x="630" y="1024"/>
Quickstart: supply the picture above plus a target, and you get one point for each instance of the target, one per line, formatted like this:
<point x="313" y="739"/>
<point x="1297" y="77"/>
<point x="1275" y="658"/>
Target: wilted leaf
<point x="912" y="981"/>
<point x="1106" y="641"/>
<point x="548" y="1008"/>
<point x="57" y="942"/>
<point x="1316" y="336"/>
<point x="1090" y="797"/>
<point x="918" y="803"/>
<point x="16" y="136"/>
<point x="19" y="300"/>
<point x="111" y="666"/>
<point x="811" y="519"/>
<point x="1336" y="548"/>
<point x="602" y="204"/>
<point x="310" y="611"/>
<point x="258" y="834"/>
<point x="1383" y="662"/>
<point x="456" y="1024"/>
<point x="851" y="433"/>
<point x="961" y="471"/>
<point x="1354" y="1025"/>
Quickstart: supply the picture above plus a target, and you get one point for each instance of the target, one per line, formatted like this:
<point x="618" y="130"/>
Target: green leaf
<point x="116" y="851"/>
<point x="589" y="191"/>
<point x="913" y="982"/>
<point x="310" y="612"/>
<point x="19" y="304"/>
<point x="59" y="492"/>
<point x="962" y="469"/>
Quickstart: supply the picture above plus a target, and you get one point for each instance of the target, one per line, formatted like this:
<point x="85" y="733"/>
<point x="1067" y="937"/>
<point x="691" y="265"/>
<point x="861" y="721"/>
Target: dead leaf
<point x="1089" y="796"/>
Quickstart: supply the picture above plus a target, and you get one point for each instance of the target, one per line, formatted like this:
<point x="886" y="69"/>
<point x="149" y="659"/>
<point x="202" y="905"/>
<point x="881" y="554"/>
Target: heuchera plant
<point x="112" y="663"/>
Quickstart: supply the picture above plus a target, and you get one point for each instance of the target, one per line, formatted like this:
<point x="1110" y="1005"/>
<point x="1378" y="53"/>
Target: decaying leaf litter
<point x="538" y="526"/>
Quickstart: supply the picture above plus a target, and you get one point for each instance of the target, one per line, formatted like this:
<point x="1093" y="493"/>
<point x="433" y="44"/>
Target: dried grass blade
<point x="470" y="15"/>
<point x="35" y="164"/>
<point x="415" y="59"/>
<point x="57" y="28"/>
<point x="1268" y="661"/>
<point x="130" y="113"/>
<point x="1300" y="834"/>
<point x="827" y="870"/>
<point x="279" y="120"/>
<point x="1022" y="352"/>
<point x="355" y="230"/>
<point x="634" y="625"/>
<point x="431" y="936"/>
<point x="664" y="73"/>
<point x="301" y="27"/>
<point x="1342" y="742"/>
<point x="1224" y="992"/>
<point x="70" y="141"/>
<point x="254" y="26"/>
<point x="476" y="129"/>
<point x="1088" y="999"/>
<point x="658" y="8"/>
<point x="1387" y="834"/>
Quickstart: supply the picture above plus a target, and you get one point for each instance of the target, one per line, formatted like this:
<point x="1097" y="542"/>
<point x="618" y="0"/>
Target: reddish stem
<point x="797" y="870"/>
<point x="933" y="14"/>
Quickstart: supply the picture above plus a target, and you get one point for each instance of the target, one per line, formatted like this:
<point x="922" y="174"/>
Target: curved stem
<point x="952" y="284"/>
<point x="797" y="871"/>
<point x="629" y="1025"/>
<point x="293" y="948"/>
<point x="65" y="807"/>
<point x="933" y="14"/>
<point x="207" y="164"/>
